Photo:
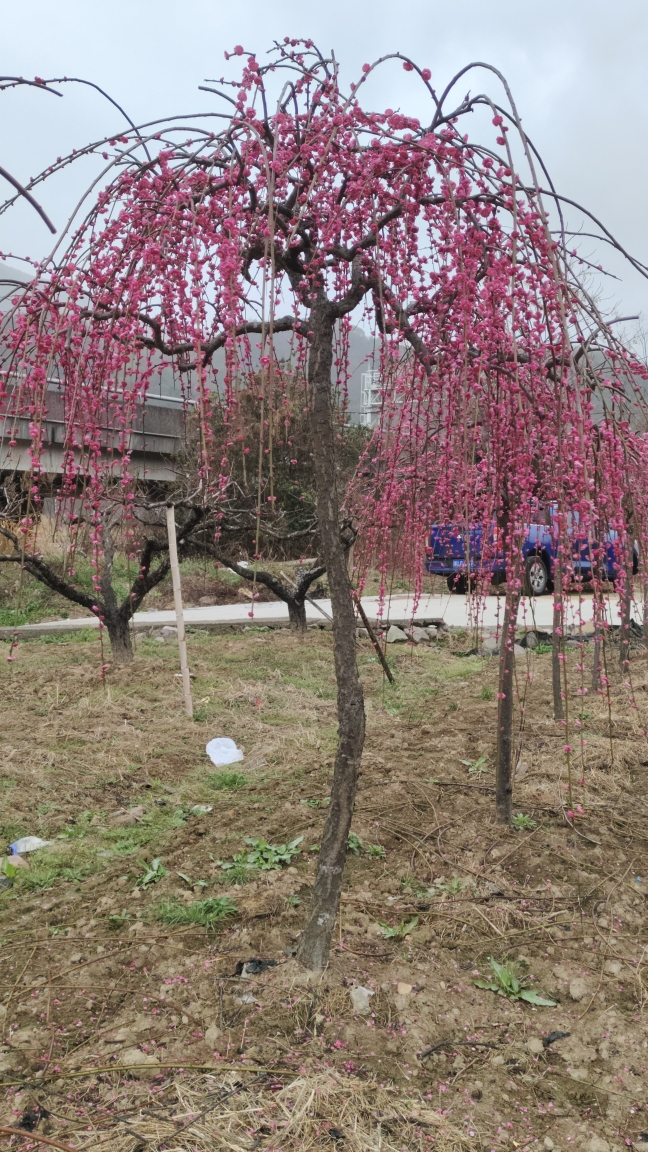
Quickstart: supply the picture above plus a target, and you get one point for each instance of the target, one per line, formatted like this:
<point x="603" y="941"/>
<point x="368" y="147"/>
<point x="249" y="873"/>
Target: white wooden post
<point x="177" y="599"/>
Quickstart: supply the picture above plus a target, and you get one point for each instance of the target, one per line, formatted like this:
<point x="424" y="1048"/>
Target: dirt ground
<point x="95" y="978"/>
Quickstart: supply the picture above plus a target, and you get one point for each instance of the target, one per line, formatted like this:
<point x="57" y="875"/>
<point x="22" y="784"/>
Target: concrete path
<point x="454" y="611"/>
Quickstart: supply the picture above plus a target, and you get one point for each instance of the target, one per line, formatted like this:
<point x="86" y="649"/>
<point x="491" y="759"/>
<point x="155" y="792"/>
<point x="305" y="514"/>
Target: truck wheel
<point x="536" y="577"/>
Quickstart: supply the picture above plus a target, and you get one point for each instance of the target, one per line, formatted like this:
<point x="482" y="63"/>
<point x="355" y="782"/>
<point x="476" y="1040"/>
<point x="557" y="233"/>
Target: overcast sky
<point x="578" y="69"/>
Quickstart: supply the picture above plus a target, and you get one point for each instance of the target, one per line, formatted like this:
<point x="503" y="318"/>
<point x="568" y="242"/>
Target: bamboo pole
<point x="177" y="599"/>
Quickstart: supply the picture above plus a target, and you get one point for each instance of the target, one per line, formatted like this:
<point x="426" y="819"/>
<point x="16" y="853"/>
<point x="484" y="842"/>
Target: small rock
<point x="577" y="988"/>
<point x="418" y="635"/>
<point x="522" y="770"/>
<point x="123" y="819"/>
<point x="362" y="634"/>
<point x="403" y="989"/>
<point x="18" y="862"/>
<point x="518" y="650"/>
<point x="432" y="631"/>
<point x="490" y="645"/>
<point x="548" y="1143"/>
<point x="534" y="1044"/>
<point x="396" y="635"/>
<point x="145" y="1063"/>
<point x="612" y="967"/>
<point x="359" y="997"/>
<point x="25" y="1038"/>
<point x="532" y="642"/>
<point x="121" y="1036"/>
<point x="597" y="1144"/>
<point x="168" y="632"/>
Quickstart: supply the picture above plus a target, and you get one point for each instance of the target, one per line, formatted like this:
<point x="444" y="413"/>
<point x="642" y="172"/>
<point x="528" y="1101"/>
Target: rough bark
<point x="119" y="634"/>
<point x="315" y="942"/>
<point x="504" y="781"/>
<point x="297" y="614"/>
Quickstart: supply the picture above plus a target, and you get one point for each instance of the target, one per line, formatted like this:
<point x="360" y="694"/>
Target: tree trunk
<point x="119" y="634"/>
<point x="118" y="630"/>
<point x="315" y="943"/>
<point x="557" y="642"/>
<point x="504" y="783"/>
<point x="297" y="615"/>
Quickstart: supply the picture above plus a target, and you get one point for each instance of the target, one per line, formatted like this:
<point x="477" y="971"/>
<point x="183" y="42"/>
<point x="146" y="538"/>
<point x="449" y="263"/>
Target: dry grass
<point x="91" y="980"/>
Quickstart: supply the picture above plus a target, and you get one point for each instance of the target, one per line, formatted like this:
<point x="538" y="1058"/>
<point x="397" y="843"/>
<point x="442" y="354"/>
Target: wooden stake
<point x="374" y="639"/>
<point x="177" y="599"/>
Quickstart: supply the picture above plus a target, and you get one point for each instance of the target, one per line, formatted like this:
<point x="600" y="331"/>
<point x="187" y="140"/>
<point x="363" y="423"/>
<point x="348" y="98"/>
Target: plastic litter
<point x="222" y="751"/>
<point x="552" y="1037"/>
<point x="359" y="997"/>
<point x="28" y="844"/>
<point x="202" y="809"/>
<point x="254" y="967"/>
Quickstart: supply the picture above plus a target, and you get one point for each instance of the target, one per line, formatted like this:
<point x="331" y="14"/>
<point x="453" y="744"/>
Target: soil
<point x="93" y="979"/>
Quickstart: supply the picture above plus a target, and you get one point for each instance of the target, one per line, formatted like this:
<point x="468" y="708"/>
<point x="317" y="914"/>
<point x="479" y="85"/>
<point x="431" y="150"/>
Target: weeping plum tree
<point x="295" y="212"/>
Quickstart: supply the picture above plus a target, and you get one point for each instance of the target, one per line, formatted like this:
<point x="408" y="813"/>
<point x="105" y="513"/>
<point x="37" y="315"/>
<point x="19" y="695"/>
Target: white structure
<point x="370" y="398"/>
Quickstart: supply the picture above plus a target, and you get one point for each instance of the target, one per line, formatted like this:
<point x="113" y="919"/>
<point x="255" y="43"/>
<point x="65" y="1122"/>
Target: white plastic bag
<point x="28" y="844"/>
<point x="222" y="751"/>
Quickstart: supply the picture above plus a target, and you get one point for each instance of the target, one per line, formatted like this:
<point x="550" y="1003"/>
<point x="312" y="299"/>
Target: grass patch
<point x="227" y="781"/>
<point x="51" y="871"/>
<point x="205" y="913"/>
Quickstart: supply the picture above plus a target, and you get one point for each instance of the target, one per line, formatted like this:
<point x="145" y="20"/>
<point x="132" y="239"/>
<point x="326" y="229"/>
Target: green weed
<point x="78" y="829"/>
<point x="118" y="919"/>
<point x="486" y="693"/>
<point x="523" y="823"/>
<point x="399" y="932"/>
<point x="355" y="845"/>
<point x="480" y="765"/>
<point x="237" y="873"/>
<point x="413" y="885"/>
<point x="206" y="913"/>
<point x="453" y="706"/>
<point x="264" y="856"/>
<point x="227" y="781"/>
<point x="506" y="983"/>
<point x="453" y="887"/>
<point x="45" y="875"/>
<point x="152" y="873"/>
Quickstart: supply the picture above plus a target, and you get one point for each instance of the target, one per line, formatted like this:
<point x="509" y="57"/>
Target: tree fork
<point x="315" y="942"/>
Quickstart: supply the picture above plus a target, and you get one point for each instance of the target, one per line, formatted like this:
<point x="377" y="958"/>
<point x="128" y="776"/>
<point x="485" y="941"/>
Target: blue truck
<point x="446" y="554"/>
